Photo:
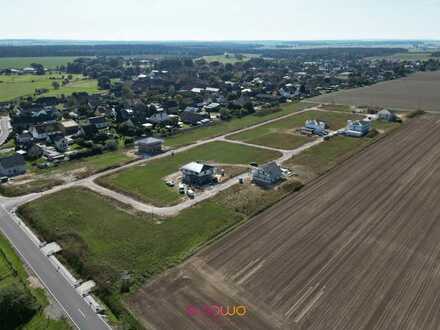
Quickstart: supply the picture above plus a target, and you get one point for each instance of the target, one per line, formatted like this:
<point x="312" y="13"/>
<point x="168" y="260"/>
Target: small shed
<point x="149" y="145"/>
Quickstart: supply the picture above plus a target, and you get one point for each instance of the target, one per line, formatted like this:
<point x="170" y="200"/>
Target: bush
<point x="17" y="306"/>
<point x="111" y="145"/>
<point x="129" y="141"/>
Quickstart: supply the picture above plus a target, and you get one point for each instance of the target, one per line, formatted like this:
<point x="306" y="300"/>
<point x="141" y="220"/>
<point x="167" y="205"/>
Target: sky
<point x="154" y="20"/>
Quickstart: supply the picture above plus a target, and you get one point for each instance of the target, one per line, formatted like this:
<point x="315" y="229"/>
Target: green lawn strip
<point x="235" y="124"/>
<point x="146" y="182"/>
<point x="50" y="62"/>
<point x="44" y="178"/>
<point x="263" y="134"/>
<point x="18" y="277"/>
<point x="91" y="165"/>
<point x="15" y="86"/>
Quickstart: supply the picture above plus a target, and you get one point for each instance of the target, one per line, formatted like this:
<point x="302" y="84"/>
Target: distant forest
<point x="193" y="49"/>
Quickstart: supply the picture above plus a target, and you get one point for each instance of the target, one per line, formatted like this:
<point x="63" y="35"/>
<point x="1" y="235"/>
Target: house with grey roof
<point x="267" y="174"/>
<point x="149" y="145"/>
<point x="197" y="174"/>
<point x="12" y="165"/>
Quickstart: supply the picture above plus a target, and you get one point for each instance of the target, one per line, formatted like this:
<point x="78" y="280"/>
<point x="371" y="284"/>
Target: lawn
<point x="12" y="273"/>
<point x="281" y="133"/>
<point x="145" y="182"/>
<point x="50" y="62"/>
<point x="15" y="86"/>
<point x="235" y="124"/>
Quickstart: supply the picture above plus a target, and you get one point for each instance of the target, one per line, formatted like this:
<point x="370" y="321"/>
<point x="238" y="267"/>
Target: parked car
<point x="182" y="188"/>
<point x="170" y="183"/>
<point x="190" y="193"/>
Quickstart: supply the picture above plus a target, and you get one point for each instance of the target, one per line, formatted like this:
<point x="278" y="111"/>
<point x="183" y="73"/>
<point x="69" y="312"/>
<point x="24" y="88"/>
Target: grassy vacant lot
<point x="101" y="239"/>
<point x="91" y="165"/>
<point x="235" y="124"/>
<point x="15" y="86"/>
<point x="324" y="156"/>
<point x="12" y="273"/>
<point x="50" y="62"/>
<point x="281" y="134"/>
<point x="44" y="179"/>
<point x="145" y="182"/>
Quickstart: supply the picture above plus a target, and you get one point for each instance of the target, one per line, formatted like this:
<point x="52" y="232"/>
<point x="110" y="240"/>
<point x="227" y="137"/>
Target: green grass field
<point x="326" y="155"/>
<point x="12" y="273"/>
<point x="235" y="124"/>
<point x="50" y="62"/>
<point x="281" y="134"/>
<point x="145" y="182"/>
<point x="14" y="86"/>
<point x="101" y="239"/>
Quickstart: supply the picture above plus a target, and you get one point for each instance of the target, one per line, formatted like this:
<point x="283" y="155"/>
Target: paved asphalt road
<point x="4" y="129"/>
<point x="73" y="304"/>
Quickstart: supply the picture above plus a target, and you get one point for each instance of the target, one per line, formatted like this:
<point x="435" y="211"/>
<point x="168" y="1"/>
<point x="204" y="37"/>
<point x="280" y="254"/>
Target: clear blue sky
<point x="220" y="19"/>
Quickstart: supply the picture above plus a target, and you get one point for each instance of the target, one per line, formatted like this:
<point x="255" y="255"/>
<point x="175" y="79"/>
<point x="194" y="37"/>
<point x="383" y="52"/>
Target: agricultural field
<point x="15" y="86"/>
<point x="409" y="56"/>
<point x="355" y="249"/>
<point x="14" y="277"/>
<point x="230" y="58"/>
<point x="235" y="124"/>
<point x="282" y="134"/>
<point x="146" y="182"/>
<point x="417" y="91"/>
<point x="50" y="62"/>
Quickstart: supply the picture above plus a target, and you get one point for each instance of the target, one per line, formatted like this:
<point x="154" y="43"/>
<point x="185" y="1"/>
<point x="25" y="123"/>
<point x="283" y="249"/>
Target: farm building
<point x="387" y="115"/>
<point x="197" y="174"/>
<point x="267" y="174"/>
<point x="12" y="165"/>
<point x="149" y="145"/>
<point x="357" y="128"/>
